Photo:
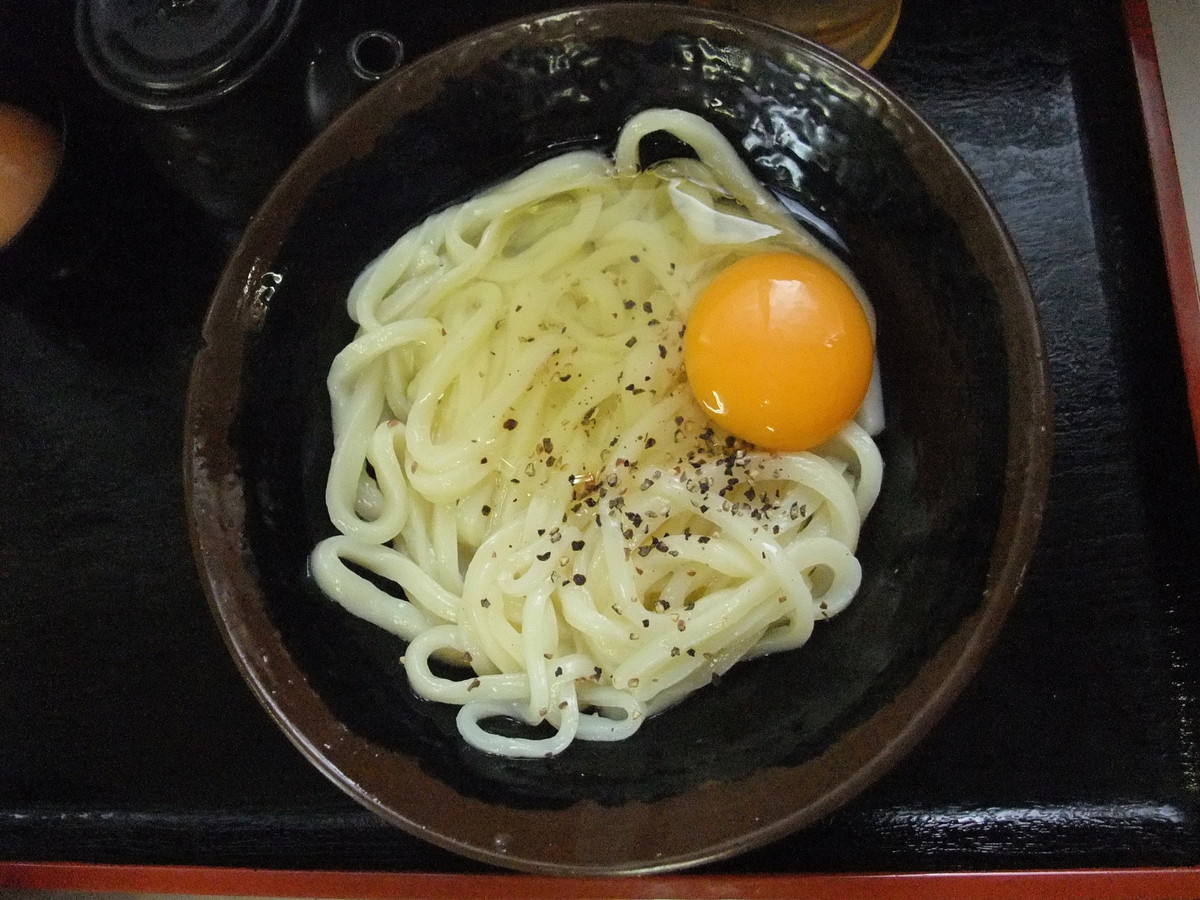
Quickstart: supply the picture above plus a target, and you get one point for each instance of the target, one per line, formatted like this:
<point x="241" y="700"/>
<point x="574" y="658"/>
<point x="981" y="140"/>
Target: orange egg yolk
<point x="29" y="153"/>
<point x="778" y="351"/>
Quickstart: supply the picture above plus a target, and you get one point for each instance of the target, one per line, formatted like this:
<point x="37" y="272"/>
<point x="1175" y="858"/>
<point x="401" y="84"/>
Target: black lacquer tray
<point x="127" y="735"/>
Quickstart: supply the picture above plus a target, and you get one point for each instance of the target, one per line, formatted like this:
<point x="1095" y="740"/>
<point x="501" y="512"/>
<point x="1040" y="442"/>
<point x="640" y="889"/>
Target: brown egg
<point x="29" y="156"/>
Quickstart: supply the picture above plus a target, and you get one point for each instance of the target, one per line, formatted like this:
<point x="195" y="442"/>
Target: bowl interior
<point x="781" y="740"/>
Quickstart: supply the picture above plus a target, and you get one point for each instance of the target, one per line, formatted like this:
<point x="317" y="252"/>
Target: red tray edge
<point x="1181" y="270"/>
<point x="1180" y="883"/>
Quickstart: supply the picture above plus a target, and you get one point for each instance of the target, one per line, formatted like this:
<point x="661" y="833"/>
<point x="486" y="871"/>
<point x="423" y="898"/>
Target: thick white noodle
<point x="526" y="491"/>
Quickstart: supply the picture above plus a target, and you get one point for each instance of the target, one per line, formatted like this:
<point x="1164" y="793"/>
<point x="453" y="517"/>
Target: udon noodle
<point x="524" y="489"/>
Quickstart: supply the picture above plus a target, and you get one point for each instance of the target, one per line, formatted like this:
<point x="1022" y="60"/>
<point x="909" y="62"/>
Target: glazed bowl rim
<point x="216" y="507"/>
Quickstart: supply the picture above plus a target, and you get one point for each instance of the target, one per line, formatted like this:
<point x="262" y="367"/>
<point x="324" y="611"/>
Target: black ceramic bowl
<point x="780" y="741"/>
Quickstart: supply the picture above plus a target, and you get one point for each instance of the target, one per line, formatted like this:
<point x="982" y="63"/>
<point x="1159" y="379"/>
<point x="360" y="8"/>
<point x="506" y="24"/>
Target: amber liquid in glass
<point x="857" y="29"/>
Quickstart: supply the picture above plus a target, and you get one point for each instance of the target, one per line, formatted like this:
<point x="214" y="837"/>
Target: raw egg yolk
<point x="29" y="154"/>
<point x="778" y="351"/>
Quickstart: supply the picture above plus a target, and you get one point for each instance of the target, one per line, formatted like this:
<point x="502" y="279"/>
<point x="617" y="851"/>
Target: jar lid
<point x="173" y="54"/>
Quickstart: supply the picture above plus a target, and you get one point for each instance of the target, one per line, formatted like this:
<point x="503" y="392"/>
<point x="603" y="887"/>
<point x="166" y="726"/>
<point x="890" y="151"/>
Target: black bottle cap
<point x="174" y="54"/>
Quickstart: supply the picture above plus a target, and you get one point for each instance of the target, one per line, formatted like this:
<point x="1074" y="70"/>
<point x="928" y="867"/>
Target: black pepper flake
<point x="674" y="651"/>
<point x="485" y="602"/>
<point x="487" y="510"/>
<point x="644" y="550"/>
<point x="577" y="545"/>
<point x="650" y="442"/>
<point x="662" y="352"/>
<point x="483" y="461"/>
<point x="645" y="623"/>
<point x="633" y="257"/>
<point x="558" y="672"/>
<point x="510" y="424"/>
<point x="564" y="377"/>
<point x="629" y="304"/>
<point x="542" y="557"/>
<point x="632" y="340"/>
<point x="691" y="651"/>
<point x="474" y="684"/>
<point x="579" y="578"/>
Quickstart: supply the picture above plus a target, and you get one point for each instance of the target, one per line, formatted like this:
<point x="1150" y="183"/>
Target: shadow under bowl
<point x="781" y="741"/>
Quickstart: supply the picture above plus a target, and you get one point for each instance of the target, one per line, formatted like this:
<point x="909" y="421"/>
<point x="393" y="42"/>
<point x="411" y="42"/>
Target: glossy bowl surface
<point x="780" y="741"/>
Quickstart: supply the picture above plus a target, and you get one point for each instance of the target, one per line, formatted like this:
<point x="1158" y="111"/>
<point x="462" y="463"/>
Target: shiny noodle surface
<point x="525" y="489"/>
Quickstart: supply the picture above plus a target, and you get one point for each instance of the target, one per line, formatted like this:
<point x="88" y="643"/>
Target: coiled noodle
<point x="523" y="485"/>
